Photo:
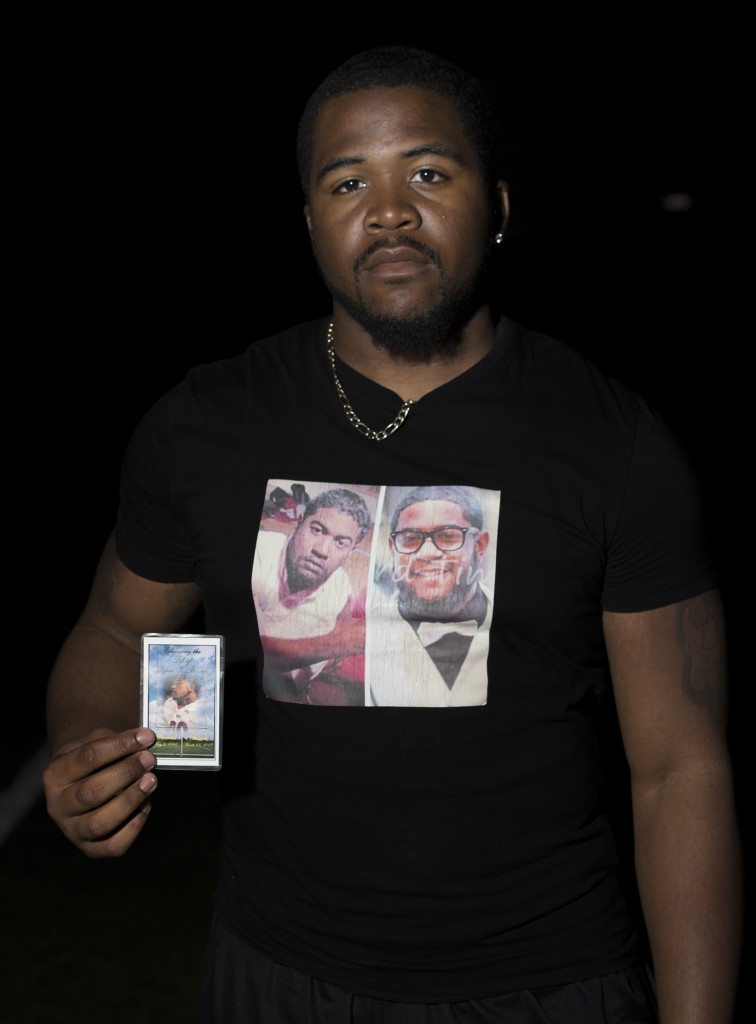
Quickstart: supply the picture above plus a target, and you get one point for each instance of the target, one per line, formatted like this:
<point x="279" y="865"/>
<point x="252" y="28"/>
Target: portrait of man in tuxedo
<point x="429" y="640"/>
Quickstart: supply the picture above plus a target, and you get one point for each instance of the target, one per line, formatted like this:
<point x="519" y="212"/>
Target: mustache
<point x="405" y="241"/>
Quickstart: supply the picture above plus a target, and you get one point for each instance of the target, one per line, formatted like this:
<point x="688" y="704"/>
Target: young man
<point x="431" y="620"/>
<point x="304" y="597"/>
<point x="180" y="709"/>
<point x="428" y="863"/>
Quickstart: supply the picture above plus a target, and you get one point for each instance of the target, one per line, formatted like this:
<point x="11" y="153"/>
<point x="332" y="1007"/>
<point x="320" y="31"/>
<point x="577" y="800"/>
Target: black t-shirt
<point x="442" y="852"/>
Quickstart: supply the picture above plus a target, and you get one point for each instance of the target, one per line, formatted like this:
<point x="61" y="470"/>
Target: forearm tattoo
<point x="700" y="634"/>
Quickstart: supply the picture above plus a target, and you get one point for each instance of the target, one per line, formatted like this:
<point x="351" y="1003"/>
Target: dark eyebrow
<point x="431" y="149"/>
<point x="437" y="149"/>
<point x="333" y="165"/>
<point x="324" y="528"/>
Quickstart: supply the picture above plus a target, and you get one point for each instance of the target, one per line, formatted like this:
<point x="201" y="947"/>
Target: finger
<point x="119" y="842"/>
<point x="109" y="830"/>
<point x="84" y="757"/>
<point x="81" y="795"/>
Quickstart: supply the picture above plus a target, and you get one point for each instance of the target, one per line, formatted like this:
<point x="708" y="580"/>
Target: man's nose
<point x="321" y="547"/>
<point x="391" y="208"/>
<point x="428" y="548"/>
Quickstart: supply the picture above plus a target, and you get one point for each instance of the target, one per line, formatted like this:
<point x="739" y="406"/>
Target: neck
<point x="408" y="377"/>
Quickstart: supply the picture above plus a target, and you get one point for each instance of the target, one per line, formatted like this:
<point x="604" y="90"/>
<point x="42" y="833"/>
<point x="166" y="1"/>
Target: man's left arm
<point x="669" y="671"/>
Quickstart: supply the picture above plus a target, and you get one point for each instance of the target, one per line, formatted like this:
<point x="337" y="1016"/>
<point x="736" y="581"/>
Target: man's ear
<point x="307" y="218"/>
<point x="502" y="192"/>
<point x="481" y="542"/>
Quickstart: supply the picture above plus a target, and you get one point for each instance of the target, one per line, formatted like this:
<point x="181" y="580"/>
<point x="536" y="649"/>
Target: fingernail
<point x="144" y="738"/>
<point x="147" y="783"/>
<point x="147" y="760"/>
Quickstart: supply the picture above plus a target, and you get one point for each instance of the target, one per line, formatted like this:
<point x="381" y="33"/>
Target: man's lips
<point x="430" y="571"/>
<point x="310" y="566"/>
<point x="402" y="260"/>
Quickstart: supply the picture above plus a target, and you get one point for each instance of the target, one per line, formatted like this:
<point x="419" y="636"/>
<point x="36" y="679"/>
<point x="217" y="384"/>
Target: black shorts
<point x="240" y="986"/>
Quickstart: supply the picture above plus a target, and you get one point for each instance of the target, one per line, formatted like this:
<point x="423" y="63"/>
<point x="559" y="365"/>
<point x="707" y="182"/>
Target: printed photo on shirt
<point x="309" y="582"/>
<point x="431" y="599"/>
<point x="375" y="596"/>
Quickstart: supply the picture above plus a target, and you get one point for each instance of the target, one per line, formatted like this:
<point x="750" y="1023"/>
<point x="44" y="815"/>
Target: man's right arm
<point x="346" y="638"/>
<point x="100" y="777"/>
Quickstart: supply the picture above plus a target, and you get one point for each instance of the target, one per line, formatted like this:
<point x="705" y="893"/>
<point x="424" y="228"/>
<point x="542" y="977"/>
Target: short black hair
<point x="343" y="500"/>
<point x="466" y="500"/>
<point x="394" y="65"/>
<point x="178" y="676"/>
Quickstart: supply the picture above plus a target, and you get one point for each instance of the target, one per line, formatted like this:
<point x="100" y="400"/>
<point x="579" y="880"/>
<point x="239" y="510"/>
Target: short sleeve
<point x="150" y="536"/>
<point x="658" y="552"/>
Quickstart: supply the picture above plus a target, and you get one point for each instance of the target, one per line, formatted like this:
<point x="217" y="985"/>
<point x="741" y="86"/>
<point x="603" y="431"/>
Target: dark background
<point x="161" y="225"/>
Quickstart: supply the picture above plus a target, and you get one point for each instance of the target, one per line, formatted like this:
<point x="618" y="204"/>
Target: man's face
<point x="182" y="691"/>
<point x="319" y="546"/>
<point x="399" y="214"/>
<point x="436" y="584"/>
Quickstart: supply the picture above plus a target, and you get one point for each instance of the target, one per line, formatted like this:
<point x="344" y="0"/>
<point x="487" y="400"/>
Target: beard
<point x="425" y="333"/>
<point x="450" y="607"/>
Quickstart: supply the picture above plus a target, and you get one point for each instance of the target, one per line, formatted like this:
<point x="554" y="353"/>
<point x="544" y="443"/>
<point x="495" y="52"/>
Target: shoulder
<point x="270" y="542"/>
<point x="291" y="349"/>
<point x="235" y="393"/>
<point x="559" y="398"/>
<point x="554" y="364"/>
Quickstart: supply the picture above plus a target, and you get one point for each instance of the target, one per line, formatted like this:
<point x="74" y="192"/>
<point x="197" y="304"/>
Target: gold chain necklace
<point x="351" y="415"/>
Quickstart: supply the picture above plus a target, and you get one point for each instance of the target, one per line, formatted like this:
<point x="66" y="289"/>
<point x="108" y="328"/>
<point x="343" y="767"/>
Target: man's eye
<point x="427" y="176"/>
<point x="350" y="186"/>
<point x="447" y="536"/>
